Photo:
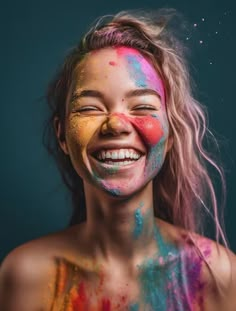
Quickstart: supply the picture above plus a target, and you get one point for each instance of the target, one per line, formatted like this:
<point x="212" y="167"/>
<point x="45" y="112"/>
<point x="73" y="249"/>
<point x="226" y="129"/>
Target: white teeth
<point x="114" y="155"/>
<point x="108" y="154"/>
<point x="121" y="154"/>
<point x="118" y="154"/>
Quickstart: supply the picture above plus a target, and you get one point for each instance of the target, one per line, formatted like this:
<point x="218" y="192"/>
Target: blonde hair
<point x="184" y="193"/>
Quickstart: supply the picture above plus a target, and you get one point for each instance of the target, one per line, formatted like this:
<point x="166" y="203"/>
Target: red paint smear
<point x="124" y="50"/>
<point x="106" y="305"/>
<point x="80" y="303"/>
<point x="112" y="63"/>
<point x="148" y="126"/>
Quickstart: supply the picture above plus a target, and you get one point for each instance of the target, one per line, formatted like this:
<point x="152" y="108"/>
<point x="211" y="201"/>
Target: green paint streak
<point x="135" y="70"/>
<point x="138" y="218"/>
<point x="134" y="307"/>
<point x="171" y="279"/>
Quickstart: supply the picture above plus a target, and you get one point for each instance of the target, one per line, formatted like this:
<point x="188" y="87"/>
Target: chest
<point x="176" y="286"/>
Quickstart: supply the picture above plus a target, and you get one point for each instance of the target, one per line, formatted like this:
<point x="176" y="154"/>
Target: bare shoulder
<point x="222" y="264"/>
<point x="27" y="274"/>
<point x="218" y="269"/>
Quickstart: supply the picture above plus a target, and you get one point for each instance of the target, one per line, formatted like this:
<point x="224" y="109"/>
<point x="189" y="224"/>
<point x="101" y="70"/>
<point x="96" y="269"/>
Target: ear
<point x="60" y="136"/>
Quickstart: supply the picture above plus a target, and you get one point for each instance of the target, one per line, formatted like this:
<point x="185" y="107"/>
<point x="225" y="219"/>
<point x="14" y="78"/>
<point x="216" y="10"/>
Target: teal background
<point x="35" y="37"/>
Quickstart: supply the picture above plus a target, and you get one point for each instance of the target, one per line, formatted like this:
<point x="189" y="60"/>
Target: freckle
<point x="112" y="63"/>
<point x="122" y="99"/>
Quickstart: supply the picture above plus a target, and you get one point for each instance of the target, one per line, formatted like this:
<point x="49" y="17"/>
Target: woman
<point x="129" y="146"/>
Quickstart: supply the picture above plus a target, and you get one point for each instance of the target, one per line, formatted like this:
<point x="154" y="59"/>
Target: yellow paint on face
<point x="80" y="131"/>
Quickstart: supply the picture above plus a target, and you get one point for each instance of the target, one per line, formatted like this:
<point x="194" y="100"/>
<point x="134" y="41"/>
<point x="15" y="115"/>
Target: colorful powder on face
<point x="135" y="71"/>
<point x="154" y="135"/>
<point x="156" y="157"/>
<point x="106" y="185"/>
<point x="114" y="192"/>
<point x="141" y="71"/>
<point x="149" y="128"/>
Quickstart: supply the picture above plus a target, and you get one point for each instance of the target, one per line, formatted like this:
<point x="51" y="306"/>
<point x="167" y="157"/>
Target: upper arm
<point x="25" y="282"/>
<point x="223" y="289"/>
<point x="228" y="294"/>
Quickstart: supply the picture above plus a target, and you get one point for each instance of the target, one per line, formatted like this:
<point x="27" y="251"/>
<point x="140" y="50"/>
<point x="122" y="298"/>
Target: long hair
<point x="184" y="193"/>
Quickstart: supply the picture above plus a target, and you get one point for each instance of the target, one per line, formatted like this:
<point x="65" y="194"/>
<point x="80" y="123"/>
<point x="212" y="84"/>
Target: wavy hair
<point x="184" y="192"/>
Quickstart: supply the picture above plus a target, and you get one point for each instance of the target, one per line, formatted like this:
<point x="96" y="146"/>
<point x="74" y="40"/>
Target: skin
<point x="122" y="257"/>
<point x="116" y="116"/>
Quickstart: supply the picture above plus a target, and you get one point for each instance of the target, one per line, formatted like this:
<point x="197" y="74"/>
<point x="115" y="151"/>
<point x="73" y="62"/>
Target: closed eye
<point x="144" y="107"/>
<point x="88" y="110"/>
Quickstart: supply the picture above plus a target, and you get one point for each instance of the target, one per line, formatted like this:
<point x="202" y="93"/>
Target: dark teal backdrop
<point x="35" y="37"/>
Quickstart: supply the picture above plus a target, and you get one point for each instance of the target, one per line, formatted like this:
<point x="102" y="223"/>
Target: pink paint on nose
<point x="148" y="127"/>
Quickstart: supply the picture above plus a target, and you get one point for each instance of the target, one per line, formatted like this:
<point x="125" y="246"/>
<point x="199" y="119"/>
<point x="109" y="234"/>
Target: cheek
<point x="149" y="128"/>
<point x="80" y="131"/>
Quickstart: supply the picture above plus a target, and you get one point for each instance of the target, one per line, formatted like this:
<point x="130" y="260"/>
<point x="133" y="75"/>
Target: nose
<point x="116" y="124"/>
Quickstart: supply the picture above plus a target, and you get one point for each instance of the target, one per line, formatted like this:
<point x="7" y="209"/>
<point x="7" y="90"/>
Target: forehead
<point x="116" y="57"/>
<point x="120" y="64"/>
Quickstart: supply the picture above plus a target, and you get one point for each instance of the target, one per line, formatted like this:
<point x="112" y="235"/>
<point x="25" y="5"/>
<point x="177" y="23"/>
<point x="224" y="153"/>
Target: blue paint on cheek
<point x="135" y="71"/>
<point x="156" y="154"/>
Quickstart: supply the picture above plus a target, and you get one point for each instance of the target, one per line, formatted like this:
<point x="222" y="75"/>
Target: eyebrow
<point x="142" y="92"/>
<point x="133" y="93"/>
<point x="86" y="93"/>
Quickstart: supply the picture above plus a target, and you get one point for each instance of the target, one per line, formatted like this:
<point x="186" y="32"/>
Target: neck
<point x="118" y="227"/>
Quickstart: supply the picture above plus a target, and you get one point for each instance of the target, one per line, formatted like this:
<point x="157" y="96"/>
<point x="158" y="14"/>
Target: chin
<point x="124" y="190"/>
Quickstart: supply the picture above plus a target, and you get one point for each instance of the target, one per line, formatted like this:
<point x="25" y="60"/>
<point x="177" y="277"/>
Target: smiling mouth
<point x="117" y="157"/>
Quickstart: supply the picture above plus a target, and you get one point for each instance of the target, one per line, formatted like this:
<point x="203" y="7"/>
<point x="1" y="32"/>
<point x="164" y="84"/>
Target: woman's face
<point x="116" y="122"/>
